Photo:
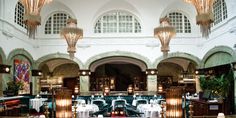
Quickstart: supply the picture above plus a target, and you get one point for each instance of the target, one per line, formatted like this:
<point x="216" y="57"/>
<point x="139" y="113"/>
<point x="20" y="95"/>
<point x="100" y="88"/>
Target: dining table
<point x="150" y="110"/>
<point x="83" y="110"/>
<point x="36" y="103"/>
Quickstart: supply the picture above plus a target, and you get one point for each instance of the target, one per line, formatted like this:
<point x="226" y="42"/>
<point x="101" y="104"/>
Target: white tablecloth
<point x="36" y="103"/>
<point x="151" y="111"/>
<point x="79" y="101"/>
<point x="83" y="111"/>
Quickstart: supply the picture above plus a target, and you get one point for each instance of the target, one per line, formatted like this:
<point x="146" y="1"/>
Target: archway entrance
<point x="177" y="71"/>
<point x="118" y="73"/>
<point x="59" y="72"/>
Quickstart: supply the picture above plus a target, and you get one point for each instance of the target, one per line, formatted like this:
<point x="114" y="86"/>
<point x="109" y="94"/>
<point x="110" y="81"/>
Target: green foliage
<point x="219" y="85"/>
<point x="14" y="86"/>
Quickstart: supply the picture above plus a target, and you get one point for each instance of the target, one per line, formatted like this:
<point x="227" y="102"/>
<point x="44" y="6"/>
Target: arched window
<point x="219" y="11"/>
<point x="117" y="22"/>
<point x="19" y="14"/>
<point x="180" y="22"/>
<point x="55" y="22"/>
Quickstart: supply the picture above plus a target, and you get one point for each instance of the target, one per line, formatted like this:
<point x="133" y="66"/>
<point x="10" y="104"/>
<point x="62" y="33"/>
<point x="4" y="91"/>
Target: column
<point x="234" y="68"/>
<point x="151" y="79"/>
<point x="199" y="73"/>
<point x="84" y="80"/>
<point x="4" y="69"/>
<point x="1" y="86"/>
<point x="36" y="75"/>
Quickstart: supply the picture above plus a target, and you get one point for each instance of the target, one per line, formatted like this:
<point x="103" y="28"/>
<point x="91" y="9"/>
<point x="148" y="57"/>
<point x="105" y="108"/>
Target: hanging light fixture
<point x="204" y="16"/>
<point x="71" y="33"/>
<point x="164" y="32"/>
<point x="32" y="16"/>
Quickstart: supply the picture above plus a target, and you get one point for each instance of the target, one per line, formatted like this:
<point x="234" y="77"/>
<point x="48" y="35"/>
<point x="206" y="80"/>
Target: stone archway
<point x="60" y="67"/>
<point x="173" y="69"/>
<point x="116" y="56"/>
<point x="193" y="58"/>
<point x="123" y="71"/>
<point x="24" y="59"/>
<point x="20" y="51"/>
<point x="58" y="55"/>
<point x="135" y="56"/>
<point x="219" y="55"/>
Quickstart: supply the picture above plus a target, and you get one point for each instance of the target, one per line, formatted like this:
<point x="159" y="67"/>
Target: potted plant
<point x="13" y="87"/>
<point x="219" y="85"/>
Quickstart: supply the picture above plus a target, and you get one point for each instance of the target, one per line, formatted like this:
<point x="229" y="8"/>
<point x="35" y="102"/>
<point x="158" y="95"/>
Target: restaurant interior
<point x="117" y="58"/>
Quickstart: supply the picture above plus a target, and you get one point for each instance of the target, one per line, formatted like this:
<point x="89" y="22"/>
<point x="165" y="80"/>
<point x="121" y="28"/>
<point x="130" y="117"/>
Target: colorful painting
<point x="22" y="74"/>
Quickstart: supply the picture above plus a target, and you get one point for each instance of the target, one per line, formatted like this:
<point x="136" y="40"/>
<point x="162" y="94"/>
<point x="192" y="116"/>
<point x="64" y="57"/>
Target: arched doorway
<point x="118" y="73"/>
<point x="177" y="71"/>
<point x="58" y="72"/>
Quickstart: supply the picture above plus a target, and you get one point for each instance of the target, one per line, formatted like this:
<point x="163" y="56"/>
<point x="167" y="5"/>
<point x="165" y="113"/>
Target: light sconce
<point x="36" y="73"/>
<point x="130" y="90"/>
<point x="151" y="72"/>
<point x="160" y="88"/>
<point x="84" y="72"/>
<point x="106" y="91"/>
<point x="174" y="102"/>
<point x="4" y="68"/>
<point x="76" y="91"/>
<point x="112" y="83"/>
<point x="63" y="103"/>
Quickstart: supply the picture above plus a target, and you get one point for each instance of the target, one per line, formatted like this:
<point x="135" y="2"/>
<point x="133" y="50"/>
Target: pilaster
<point x="151" y="79"/>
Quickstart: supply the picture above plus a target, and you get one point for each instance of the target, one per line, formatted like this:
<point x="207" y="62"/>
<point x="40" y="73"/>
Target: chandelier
<point x="71" y="33"/>
<point x="164" y="32"/>
<point x="32" y="16"/>
<point x="204" y="16"/>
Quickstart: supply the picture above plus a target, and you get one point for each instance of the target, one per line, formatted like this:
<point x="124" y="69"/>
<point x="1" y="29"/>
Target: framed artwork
<point x="22" y="74"/>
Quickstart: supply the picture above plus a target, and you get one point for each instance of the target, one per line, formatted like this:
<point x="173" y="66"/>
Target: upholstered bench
<point x="12" y="107"/>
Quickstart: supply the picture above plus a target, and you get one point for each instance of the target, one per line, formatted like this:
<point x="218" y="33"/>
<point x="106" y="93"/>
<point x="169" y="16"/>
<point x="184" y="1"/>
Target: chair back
<point x="141" y="101"/>
<point x="119" y="104"/>
<point x="99" y="103"/>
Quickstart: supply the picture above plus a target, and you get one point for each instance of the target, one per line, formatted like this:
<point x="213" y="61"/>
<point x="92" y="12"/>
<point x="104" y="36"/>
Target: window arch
<point x="180" y="22"/>
<point x="117" y="22"/>
<point x="55" y="22"/>
<point x="19" y="14"/>
<point x="219" y="11"/>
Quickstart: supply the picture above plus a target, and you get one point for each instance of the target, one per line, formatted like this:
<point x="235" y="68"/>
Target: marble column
<point x="198" y="87"/>
<point x="234" y="91"/>
<point x="151" y="79"/>
<point x="1" y="86"/>
<point x="151" y="82"/>
<point x="84" y="80"/>
<point x="84" y="83"/>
